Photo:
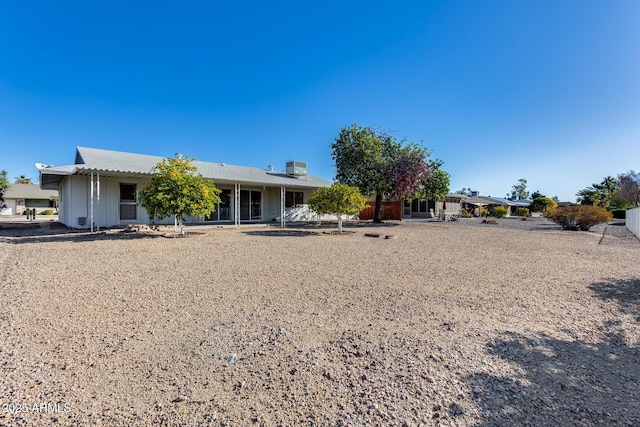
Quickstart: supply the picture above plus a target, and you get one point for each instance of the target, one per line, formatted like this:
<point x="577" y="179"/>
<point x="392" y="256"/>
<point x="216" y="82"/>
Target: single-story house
<point x="422" y="208"/>
<point x="20" y="197"/>
<point x="100" y="189"/>
<point x="475" y="203"/>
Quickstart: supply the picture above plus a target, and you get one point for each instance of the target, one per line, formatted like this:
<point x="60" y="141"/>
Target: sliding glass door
<point x="250" y="205"/>
<point x="223" y="209"/>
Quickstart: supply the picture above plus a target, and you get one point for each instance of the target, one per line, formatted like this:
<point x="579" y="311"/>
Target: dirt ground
<point x="463" y="324"/>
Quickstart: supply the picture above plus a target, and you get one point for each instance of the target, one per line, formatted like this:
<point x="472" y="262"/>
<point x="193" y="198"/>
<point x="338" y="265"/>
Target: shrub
<point x="543" y="204"/>
<point x="465" y="214"/>
<point x="522" y="212"/>
<point x="482" y="211"/>
<point x="47" y="212"/>
<point x="500" y="212"/>
<point x="580" y="217"/>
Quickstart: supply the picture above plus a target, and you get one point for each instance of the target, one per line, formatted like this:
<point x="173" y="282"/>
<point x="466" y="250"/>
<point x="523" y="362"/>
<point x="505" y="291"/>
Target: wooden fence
<point x="390" y="211"/>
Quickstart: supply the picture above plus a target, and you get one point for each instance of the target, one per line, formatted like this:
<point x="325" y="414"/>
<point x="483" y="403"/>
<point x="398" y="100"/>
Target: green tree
<point x="435" y="186"/>
<point x="22" y="179"/>
<point x="599" y="194"/>
<point x="4" y="183"/>
<point x="377" y="164"/>
<point x="536" y="195"/>
<point x="519" y="191"/>
<point x="176" y="188"/>
<point x="543" y="204"/>
<point x="338" y="200"/>
<point x="588" y="196"/>
<point x="464" y="190"/>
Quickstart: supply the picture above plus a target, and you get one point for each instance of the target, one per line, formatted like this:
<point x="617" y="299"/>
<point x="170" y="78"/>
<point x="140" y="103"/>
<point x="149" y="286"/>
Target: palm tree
<point x="22" y="179"/>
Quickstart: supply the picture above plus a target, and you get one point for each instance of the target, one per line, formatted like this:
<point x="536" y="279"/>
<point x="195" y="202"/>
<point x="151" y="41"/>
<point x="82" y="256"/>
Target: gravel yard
<point x="461" y="323"/>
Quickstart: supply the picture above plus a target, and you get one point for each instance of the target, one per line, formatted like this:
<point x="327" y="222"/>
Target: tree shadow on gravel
<point x="567" y="382"/>
<point x="564" y="383"/>
<point x="346" y="224"/>
<point x="626" y="293"/>
<point x="52" y="236"/>
<point x="280" y="233"/>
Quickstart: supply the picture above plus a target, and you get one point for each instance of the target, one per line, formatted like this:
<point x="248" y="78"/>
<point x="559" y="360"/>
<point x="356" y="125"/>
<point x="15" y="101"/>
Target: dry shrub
<point x="580" y="217"/>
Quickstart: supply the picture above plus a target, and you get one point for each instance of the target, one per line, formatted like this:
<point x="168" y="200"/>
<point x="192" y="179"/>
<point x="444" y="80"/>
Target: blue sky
<point x="543" y="90"/>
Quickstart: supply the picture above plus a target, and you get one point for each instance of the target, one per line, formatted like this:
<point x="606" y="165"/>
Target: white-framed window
<point x="293" y="199"/>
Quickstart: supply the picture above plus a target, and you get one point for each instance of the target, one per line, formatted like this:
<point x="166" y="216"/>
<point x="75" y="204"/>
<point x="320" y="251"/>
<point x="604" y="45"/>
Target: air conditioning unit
<point x="82" y="221"/>
<point x="296" y="168"/>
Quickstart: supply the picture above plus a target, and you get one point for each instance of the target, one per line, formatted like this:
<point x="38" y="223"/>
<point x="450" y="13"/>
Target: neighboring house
<point x="20" y="197"/>
<point x="422" y="208"/>
<point x="522" y="203"/>
<point x="474" y="204"/>
<point x="100" y="189"/>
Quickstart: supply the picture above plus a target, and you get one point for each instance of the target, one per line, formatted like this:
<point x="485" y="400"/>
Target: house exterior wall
<point x="75" y="203"/>
<point x="10" y="207"/>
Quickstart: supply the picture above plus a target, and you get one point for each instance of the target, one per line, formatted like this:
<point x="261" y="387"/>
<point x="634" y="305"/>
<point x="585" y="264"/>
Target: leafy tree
<point x="338" y="200"/>
<point x="599" y="194"/>
<point x="519" y="190"/>
<point x="177" y="189"/>
<point x="435" y="186"/>
<point x="22" y="179"/>
<point x="588" y="196"/>
<point x="536" y="195"/>
<point x="377" y="164"/>
<point x="407" y="171"/>
<point x="4" y="183"/>
<point x="464" y="190"/>
<point x="543" y="204"/>
<point x="629" y="188"/>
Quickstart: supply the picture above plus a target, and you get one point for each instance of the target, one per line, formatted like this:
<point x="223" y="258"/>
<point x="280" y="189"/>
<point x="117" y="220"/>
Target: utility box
<point x="82" y="221"/>
<point x="296" y="168"/>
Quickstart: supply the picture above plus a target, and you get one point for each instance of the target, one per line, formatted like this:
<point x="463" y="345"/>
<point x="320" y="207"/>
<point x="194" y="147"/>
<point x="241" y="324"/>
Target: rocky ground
<point x="457" y="323"/>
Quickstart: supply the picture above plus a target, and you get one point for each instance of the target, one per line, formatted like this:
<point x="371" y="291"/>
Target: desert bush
<point x="482" y="211"/>
<point x="580" y="217"/>
<point x="500" y="212"/>
<point x="522" y="212"/>
<point x="47" y="212"/>
<point x="543" y="204"/>
<point x="465" y="214"/>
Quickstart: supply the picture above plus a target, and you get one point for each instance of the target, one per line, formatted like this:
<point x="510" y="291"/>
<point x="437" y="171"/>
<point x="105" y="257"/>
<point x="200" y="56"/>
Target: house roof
<point x="123" y="164"/>
<point x="486" y="200"/>
<point x="28" y="191"/>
